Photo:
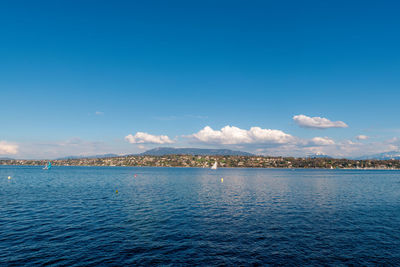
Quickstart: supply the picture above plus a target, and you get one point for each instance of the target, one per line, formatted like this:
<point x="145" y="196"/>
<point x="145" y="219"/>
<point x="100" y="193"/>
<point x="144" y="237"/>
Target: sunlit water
<point x="73" y="216"/>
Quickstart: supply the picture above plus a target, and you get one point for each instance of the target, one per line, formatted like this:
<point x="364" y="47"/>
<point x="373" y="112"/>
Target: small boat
<point x="215" y="166"/>
<point x="48" y="166"/>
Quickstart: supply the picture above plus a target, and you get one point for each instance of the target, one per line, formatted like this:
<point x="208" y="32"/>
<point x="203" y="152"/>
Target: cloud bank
<point x="322" y="141"/>
<point x="145" y="138"/>
<point x="362" y="137"/>
<point x="7" y="148"/>
<point x="231" y="135"/>
<point x="317" y="122"/>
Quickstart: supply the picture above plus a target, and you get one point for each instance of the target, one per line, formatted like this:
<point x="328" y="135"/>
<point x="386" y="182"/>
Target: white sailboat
<point x="215" y="166"/>
<point x="48" y="166"/>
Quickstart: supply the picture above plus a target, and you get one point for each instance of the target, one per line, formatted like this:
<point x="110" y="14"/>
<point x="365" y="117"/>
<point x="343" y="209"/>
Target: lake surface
<point x="176" y="216"/>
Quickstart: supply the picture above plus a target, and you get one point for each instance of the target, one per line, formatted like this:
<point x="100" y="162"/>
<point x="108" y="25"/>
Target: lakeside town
<point x="202" y="161"/>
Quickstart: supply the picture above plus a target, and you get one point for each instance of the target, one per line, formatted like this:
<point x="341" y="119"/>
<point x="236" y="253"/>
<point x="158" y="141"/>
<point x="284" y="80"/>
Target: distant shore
<point x="221" y="168"/>
<point x="223" y="162"/>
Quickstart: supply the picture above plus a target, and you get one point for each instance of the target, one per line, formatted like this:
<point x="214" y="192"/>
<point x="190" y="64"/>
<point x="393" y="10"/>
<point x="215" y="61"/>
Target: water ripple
<point x="72" y="216"/>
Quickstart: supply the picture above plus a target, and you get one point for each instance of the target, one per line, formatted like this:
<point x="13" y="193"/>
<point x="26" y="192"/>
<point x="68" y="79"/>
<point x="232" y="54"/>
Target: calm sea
<point x="176" y="216"/>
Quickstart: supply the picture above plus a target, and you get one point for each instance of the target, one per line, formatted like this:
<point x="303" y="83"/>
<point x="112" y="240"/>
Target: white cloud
<point x="99" y="113"/>
<point x="322" y="141"/>
<point x="361" y="137"/>
<point x="392" y="140"/>
<point x="145" y="138"/>
<point x="317" y="122"/>
<point x="8" y="148"/>
<point x="349" y="142"/>
<point x="231" y="135"/>
<point x="344" y="148"/>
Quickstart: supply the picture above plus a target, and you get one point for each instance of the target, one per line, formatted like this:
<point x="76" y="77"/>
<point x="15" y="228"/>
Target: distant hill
<point x="317" y="156"/>
<point x="382" y="156"/>
<point x="5" y="158"/>
<point x="89" y="157"/>
<point x="161" y="151"/>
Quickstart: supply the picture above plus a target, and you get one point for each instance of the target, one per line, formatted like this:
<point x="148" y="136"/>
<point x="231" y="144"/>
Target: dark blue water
<point x="73" y="216"/>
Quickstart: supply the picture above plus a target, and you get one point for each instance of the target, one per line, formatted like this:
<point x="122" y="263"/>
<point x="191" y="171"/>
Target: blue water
<point x="176" y="216"/>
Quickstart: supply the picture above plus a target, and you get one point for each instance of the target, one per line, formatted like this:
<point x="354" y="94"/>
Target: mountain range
<point x="89" y="157"/>
<point x="382" y="156"/>
<point x="318" y="156"/>
<point x="161" y="151"/>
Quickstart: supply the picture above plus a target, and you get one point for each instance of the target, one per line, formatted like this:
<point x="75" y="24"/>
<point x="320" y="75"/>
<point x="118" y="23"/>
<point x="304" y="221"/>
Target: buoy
<point x="116" y="191"/>
<point x="9" y="177"/>
<point x="222" y="180"/>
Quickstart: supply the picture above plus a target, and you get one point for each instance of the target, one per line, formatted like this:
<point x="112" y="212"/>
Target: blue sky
<point x="80" y="77"/>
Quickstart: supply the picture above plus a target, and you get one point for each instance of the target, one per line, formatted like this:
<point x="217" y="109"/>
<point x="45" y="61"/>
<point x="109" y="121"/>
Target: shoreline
<point x="187" y="161"/>
<point x="222" y="168"/>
